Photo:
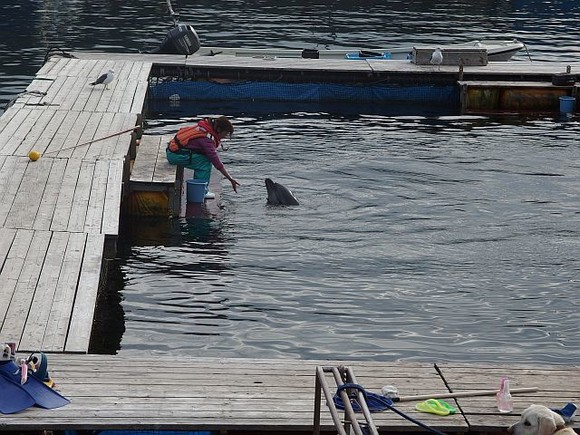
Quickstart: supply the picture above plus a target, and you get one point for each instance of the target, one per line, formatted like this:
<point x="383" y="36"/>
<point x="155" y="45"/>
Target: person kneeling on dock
<point x="195" y="148"/>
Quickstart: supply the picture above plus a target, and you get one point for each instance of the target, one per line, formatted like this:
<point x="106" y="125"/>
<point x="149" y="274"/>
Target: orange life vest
<point x="185" y="134"/>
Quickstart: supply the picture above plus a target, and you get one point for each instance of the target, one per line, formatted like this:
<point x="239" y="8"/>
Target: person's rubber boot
<point x="209" y="195"/>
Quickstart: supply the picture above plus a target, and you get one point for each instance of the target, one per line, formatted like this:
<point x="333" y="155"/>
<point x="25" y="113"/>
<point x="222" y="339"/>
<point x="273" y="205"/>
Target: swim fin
<point x="43" y="395"/>
<point x="13" y="398"/>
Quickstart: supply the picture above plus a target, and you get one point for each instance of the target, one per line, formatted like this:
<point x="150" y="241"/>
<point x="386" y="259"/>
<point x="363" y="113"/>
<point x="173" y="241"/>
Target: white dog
<point x="540" y="420"/>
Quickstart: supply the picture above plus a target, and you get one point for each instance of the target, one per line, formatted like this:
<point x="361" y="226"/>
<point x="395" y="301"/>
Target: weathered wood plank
<point x="147" y="152"/>
<point x="64" y="201"/>
<point x="164" y="171"/>
<point x="96" y="202"/>
<point x="26" y="203"/>
<point x="78" y="88"/>
<point x="59" y="63"/>
<point x="7" y="116"/>
<point x="93" y="150"/>
<point x="12" y="269"/>
<point x="36" y="134"/>
<point x="83" y="311"/>
<point x="130" y="72"/>
<point x="59" y="138"/>
<point x="6" y="238"/>
<point x="10" y="179"/>
<point x="62" y="304"/>
<point x="19" y="309"/>
<point x="7" y="136"/>
<point x="80" y="200"/>
<point x="73" y="139"/>
<point x="119" y="146"/>
<point x="112" y="207"/>
<point x="46" y="210"/>
<point x="48" y="66"/>
<point x="35" y="328"/>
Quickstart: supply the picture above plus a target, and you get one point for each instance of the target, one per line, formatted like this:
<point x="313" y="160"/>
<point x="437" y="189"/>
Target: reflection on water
<point x="417" y="237"/>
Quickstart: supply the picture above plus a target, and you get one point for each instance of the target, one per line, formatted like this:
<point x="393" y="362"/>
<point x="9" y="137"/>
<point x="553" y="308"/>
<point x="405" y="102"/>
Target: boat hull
<point x="499" y="51"/>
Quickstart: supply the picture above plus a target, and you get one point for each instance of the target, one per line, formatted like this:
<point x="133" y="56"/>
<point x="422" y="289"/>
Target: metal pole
<point x="461" y="394"/>
<point x="363" y="404"/>
<point x="333" y="411"/>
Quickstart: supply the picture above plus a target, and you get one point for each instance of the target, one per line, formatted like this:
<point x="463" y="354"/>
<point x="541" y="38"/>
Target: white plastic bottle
<point x="503" y="396"/>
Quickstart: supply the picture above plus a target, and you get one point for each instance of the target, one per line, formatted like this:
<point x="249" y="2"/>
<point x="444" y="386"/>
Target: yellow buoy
<point x="34" y="155"/>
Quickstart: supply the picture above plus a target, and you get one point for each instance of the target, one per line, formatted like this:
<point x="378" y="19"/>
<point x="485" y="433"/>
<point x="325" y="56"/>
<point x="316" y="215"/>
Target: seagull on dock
<point x="436" y="58"/>
<point x="104" y="79"/>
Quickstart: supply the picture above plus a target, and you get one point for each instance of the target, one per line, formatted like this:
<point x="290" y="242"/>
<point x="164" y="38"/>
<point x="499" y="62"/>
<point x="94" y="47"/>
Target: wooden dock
<point x="273" y="396"/>
<point x="59" y="213"/>
<point x="59" y="216"/>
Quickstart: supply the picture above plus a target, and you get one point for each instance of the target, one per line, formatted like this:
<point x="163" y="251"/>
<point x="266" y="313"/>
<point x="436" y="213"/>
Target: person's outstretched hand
<point x="235" y="184"/>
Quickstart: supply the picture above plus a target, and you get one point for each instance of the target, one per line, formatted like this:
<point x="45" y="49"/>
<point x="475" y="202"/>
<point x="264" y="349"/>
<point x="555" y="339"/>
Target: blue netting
<point x="304" y="92"/>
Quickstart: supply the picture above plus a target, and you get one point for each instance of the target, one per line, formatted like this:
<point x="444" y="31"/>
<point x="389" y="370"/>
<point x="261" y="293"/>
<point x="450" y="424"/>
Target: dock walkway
<point x="273" y="396"/>
<point x="58" y="213"/>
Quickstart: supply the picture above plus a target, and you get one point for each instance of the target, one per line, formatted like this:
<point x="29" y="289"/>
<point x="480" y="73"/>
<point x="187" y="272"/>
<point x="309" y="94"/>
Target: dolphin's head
<point x="278" y="194"/>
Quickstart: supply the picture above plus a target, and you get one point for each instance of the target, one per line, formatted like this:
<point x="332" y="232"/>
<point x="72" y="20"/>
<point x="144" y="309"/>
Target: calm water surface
<point x="421" y="235"/>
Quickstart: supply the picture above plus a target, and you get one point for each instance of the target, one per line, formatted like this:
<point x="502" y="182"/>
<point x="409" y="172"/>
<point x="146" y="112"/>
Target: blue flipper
<point x="43" y="396"/>
<point x="13" y="398"/>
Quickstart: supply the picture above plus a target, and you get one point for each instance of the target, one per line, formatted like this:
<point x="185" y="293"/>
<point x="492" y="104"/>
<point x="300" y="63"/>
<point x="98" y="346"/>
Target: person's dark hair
<point x="223" y="124"/>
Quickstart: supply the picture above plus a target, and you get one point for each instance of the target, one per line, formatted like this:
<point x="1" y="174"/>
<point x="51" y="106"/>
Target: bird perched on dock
<point x="104" y="79"/>
<point x="436" y="58"/>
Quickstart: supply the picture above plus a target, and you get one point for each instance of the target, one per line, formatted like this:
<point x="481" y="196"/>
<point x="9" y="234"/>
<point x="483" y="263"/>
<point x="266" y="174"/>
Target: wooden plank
<point x="130" y="71"/>
<point x="83" y="311"/>
<point x="26" y="203"/>
<point x="69" y="147"/>
<point x="59" y="64"/>
<point x="11" y="144"/>
<point x="7" y="116"/>
<point x="93" y="151"/>
<point x="96" y="202"/>
<point x="35" y="92"/>
<point x="12" y="269"/>
<point x="72" y="68"/>
<point x="74" y="95"/>
<point x="37" y="133"/>
<point x="42" y="304"/>
<point x="48" y="66"/>
<point x="68" y="88"/>
<point x="139" y="98"/>
<point x="19" y="308"/>
<point x="59" y="138"/>
<point x="116" y="87"/>
<point x="80" y="201"/>
<point x="147" y="152"/>
<point x="112" y="208"/>
<point x="6" y="237"/>
<point x="106" y="148"/>
<point x="10" y="179"/>
<point x="164" y="171"/>
<point x="63" y="301"/>
<point x="11" y="128"/>
<point x="41" y="141"/>
<point x="118" y="146"/>
<point x="46" y="210"/>
<point x="64" y="201"/>
<point x="89" y="73"/>
<point x="125" y="141"/>
<point x="136" y="91"/>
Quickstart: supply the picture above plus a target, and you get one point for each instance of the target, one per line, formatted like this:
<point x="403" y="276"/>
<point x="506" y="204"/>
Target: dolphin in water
<point x="278" y="194"/>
